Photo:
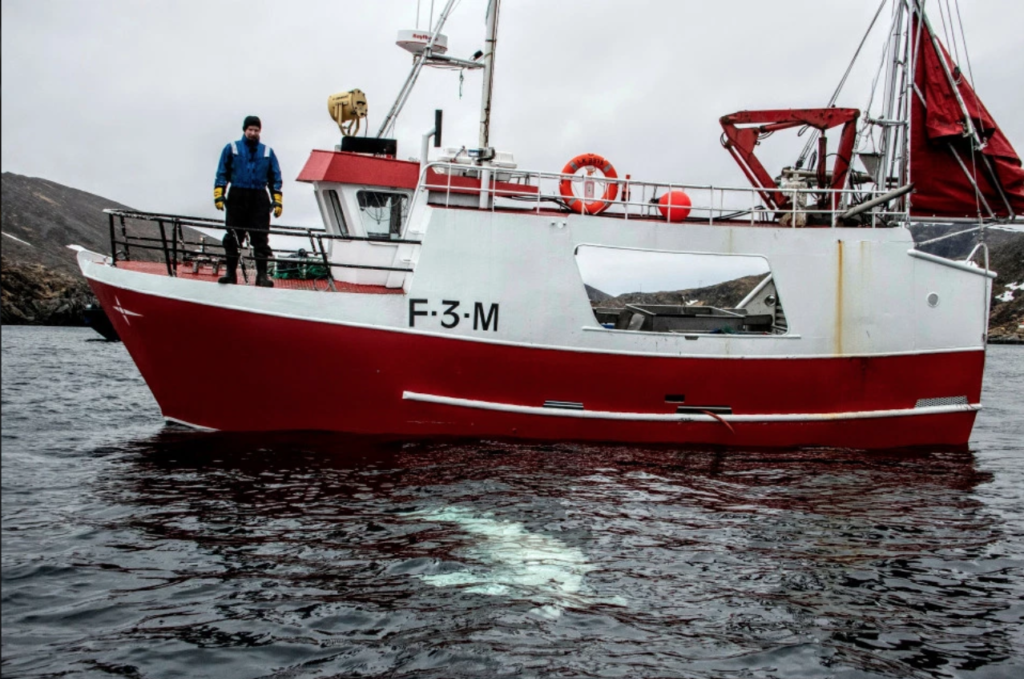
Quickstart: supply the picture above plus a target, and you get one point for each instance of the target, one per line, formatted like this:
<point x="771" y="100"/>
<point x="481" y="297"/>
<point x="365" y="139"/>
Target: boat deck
<point x="207" y="274"/>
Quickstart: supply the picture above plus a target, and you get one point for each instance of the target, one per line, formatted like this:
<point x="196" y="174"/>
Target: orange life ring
<point x="577" y="204"/>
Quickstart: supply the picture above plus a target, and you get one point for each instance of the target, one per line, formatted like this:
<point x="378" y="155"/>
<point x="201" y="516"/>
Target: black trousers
<point x="248" y="212"/>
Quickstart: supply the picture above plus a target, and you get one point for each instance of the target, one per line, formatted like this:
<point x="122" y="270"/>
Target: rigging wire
<point x="963" y="36"/>
<point x="945" y="26"/>
<point x="865" y="125"/>
<point x="967" y="56"/>
<point x="835" y="95"/>
<point x="974" y="165"/>
<point x="952" y="31"/>
<point x="949" y="30"/>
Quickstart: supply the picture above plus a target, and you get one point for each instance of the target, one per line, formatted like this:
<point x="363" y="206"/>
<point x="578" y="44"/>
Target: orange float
<point x="580" y="205"/>
<point x="675" y="205"/>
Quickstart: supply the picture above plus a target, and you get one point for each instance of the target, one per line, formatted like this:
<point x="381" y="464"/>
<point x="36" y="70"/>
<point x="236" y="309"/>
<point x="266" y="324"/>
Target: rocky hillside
<point x="40" y="218"/>
<point x="35" y="295"/>
<point x="1006" y="320"/>
<point x="722" y="295"/>
<point x="42" y="284"/>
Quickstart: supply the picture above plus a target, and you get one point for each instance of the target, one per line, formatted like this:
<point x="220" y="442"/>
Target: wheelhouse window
<point x="383" y="213"/>
<point x="334" y="209"/>
<point x="679" y="292"/>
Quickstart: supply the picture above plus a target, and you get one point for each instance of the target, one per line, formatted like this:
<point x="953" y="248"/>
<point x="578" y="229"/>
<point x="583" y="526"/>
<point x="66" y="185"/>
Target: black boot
<point x="229" y="277"/>
<point x="261" y="274"/>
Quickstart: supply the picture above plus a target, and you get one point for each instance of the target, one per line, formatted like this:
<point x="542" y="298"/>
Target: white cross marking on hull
<point x="124" y="312"/>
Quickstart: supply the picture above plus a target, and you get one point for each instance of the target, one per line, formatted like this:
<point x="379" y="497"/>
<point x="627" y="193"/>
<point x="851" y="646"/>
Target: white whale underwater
<point x="513" y="562"/>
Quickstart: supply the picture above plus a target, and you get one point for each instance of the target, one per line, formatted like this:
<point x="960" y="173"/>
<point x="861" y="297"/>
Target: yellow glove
<point x="218" y="197"/>
<point x="278" y="206"/>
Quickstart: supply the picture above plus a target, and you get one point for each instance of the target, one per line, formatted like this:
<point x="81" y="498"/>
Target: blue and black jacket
<point x="248" y="167"/>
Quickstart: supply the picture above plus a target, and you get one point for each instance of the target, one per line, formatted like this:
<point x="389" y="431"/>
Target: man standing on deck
<point x="250" y="169"/>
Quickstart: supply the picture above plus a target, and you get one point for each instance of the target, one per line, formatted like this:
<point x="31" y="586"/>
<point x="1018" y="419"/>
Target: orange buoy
<point x="581" y="205"/>
<point x="675" y="205"/>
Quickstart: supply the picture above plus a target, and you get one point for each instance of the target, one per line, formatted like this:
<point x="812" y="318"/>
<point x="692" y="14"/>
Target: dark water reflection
<point x="181" y="554"/>
<point x="313" y="552"/>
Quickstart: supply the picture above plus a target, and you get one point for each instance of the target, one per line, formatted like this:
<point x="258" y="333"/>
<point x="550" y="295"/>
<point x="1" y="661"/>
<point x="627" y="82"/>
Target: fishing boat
<point x="458" y="295"/>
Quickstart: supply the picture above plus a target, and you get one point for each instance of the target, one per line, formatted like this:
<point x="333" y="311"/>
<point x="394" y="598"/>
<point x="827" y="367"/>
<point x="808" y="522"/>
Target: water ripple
<point x="134" y="550"/>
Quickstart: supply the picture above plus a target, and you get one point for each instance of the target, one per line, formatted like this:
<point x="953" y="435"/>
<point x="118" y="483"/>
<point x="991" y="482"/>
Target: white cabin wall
<point x="520" y="262"/>
<point x="325" y="215"/>
<point x="868" y="305"/>
<point x="367" y="253"/>
<point x="947" y="323"/>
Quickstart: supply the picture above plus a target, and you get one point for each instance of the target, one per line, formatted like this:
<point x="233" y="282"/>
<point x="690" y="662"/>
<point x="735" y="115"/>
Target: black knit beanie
<point x="251" y="121"/>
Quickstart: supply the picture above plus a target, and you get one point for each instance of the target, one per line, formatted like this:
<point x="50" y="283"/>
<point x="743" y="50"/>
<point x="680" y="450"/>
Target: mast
<point x="911" y="91"/>
<point x="889" y="105"/>
<point x="490" y="46"/>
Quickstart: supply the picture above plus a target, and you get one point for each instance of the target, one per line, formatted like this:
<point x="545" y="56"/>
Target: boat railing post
<point x="983" y="246"/>
<point x="124" y="234"/>
<point x="309" y="232"/>
<point x="448" y="189"/>
<point x="174" y="243"/>
<point x="625" y="197"/>
<point x="485" y="185"/>
<point x="163" y="241"/>
<point x="327" y="264"/>
<point x="539" y="190"/>
<point x="113" y="239"/>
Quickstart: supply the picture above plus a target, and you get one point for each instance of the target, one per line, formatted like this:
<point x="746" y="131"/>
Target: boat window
<point x="383" y="213"/>
<point x="679" y="292"/>
<point x="334" y="206"/>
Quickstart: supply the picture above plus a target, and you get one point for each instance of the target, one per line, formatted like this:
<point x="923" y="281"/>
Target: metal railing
<point x="635" y="199"/>
<point x="169" y="238"/>
<point x="515" y="190"/>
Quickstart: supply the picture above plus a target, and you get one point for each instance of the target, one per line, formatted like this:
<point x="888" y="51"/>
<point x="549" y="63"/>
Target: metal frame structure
<point x="740" y="142"/>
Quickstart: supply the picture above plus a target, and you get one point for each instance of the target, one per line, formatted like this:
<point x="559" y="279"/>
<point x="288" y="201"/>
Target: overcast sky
<point x="134" y="100"/>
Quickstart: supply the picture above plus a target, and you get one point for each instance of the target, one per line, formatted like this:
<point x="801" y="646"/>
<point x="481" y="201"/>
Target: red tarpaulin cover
<point x="941" y="187"/>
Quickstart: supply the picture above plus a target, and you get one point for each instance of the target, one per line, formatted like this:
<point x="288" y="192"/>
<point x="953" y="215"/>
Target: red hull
<point x="240" y="371"/>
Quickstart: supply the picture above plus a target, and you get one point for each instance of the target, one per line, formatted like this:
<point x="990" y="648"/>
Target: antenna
<point x="428" y="50"/>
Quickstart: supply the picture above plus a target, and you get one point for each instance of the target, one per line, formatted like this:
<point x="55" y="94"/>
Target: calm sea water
<point x="134" y="550"/>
